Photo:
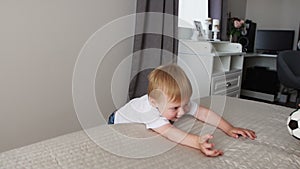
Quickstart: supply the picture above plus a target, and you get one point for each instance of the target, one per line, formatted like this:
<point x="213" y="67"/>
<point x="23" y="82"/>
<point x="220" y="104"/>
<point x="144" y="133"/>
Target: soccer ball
<point x="293" y="124"/>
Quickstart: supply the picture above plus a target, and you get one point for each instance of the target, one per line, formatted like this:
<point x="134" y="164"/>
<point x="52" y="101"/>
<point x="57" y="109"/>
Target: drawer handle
<point x="228" y="84"/>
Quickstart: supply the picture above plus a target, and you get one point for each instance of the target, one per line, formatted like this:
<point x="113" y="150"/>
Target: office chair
<point x="288" y="70"/>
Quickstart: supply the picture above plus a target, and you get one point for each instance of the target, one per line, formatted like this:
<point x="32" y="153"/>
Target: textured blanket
<point x="133" y="146"/>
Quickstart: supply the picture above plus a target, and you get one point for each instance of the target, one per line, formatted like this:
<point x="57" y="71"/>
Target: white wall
<point x="237" y="8"/>
<point x="191" y="10"/>
<point x="275" y="14"/>
<point x="40" y="41"/>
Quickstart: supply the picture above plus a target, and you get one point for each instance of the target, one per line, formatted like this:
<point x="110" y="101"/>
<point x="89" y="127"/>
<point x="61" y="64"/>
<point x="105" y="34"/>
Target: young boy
<point x="168" y="98"/>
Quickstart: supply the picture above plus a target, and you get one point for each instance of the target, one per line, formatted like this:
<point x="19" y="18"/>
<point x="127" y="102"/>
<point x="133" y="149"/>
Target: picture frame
<point x="199" y="28"/>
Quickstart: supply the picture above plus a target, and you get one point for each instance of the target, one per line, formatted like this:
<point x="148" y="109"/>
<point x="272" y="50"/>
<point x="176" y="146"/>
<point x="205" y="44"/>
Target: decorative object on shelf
<point x="207" y="29"/>
<point x="199" y="34"/>
<point x="195" y="36"/>
<point x="216" y="29"/>
<point x="236" y="28"/>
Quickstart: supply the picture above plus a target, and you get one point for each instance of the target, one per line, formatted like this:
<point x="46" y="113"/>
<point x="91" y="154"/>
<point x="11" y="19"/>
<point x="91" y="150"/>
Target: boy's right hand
<point x="207" y="148"/>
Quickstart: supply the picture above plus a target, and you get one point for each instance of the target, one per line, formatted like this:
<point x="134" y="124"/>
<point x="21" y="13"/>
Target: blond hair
<point x="171" y="81"/>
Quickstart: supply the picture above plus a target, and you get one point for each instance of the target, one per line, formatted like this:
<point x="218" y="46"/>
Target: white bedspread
<point x="273" y="148"/>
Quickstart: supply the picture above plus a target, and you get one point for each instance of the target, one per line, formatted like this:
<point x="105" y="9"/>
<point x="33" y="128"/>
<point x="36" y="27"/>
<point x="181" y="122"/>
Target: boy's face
<point x="174" y="110"/>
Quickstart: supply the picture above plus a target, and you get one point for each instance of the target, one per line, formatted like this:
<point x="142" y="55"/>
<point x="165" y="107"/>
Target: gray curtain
<point x="216" y="11"/>
<point x="155" y="41"/>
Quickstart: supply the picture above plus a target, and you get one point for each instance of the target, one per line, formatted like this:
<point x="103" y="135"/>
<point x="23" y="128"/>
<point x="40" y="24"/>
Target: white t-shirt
<point x="139" y="110"/>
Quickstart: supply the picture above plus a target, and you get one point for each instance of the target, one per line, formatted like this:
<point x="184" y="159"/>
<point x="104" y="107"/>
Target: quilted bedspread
<point x="133" y="146"/>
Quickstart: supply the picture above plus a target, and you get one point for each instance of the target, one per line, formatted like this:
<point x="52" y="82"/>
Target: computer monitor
<point x="274" y="41"/>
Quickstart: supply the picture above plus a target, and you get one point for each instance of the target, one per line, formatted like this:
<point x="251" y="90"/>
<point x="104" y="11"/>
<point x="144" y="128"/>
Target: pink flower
<point x="236" y="27"/>
<point x="238" y="24"/>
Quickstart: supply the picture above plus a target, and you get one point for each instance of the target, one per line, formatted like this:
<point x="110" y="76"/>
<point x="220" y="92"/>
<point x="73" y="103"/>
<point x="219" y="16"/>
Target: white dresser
<point x="214" y="68"/>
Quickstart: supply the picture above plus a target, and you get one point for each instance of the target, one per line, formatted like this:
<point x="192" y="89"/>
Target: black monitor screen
<point x="273" y="41"/>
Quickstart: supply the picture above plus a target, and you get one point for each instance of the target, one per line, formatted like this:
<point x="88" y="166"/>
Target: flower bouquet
<point x="236" y="28"/>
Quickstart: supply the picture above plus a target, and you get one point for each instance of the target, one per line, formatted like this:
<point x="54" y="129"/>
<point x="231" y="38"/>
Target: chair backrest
<point x="292" y="59"/>
<point x="288" y="68"/>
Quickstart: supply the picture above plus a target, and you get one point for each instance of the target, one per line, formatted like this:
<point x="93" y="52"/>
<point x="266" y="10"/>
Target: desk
<point x="262" y="60"/>
<point x="258" y="59"/>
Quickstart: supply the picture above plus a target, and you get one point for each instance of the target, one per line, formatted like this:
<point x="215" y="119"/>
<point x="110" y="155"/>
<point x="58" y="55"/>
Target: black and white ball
<point x="293" y="124"/>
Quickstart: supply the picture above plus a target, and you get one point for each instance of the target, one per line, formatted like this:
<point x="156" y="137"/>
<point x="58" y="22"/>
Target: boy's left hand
<point x="246" y="133"/>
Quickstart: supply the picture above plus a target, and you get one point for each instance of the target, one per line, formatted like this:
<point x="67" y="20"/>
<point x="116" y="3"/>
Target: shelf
<point x="221" y="64"/>
<point x="230" y="53"/>
<point x="258" y="95"/>
<point x="259" y="55"/>
<point x="205" y="62"/>
<point x="228" y="72"/>
<point x="204" y="48"/>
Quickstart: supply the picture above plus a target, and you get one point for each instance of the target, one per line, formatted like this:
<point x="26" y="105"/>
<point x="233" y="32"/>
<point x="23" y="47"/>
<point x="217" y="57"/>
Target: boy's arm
<point x="176" y="135"/>
<point x="210" y="117"/>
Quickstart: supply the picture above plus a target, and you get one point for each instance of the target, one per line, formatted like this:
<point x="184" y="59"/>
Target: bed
<point x="127" y="145"/>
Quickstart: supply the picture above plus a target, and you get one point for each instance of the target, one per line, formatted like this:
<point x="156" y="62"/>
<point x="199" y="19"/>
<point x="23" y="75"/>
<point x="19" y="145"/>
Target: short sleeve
<point x="157" y="123"/>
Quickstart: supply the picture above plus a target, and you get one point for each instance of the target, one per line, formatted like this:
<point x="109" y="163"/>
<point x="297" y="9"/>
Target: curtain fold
<point x="215" y="11"/>
<point x="155" y="41"/>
